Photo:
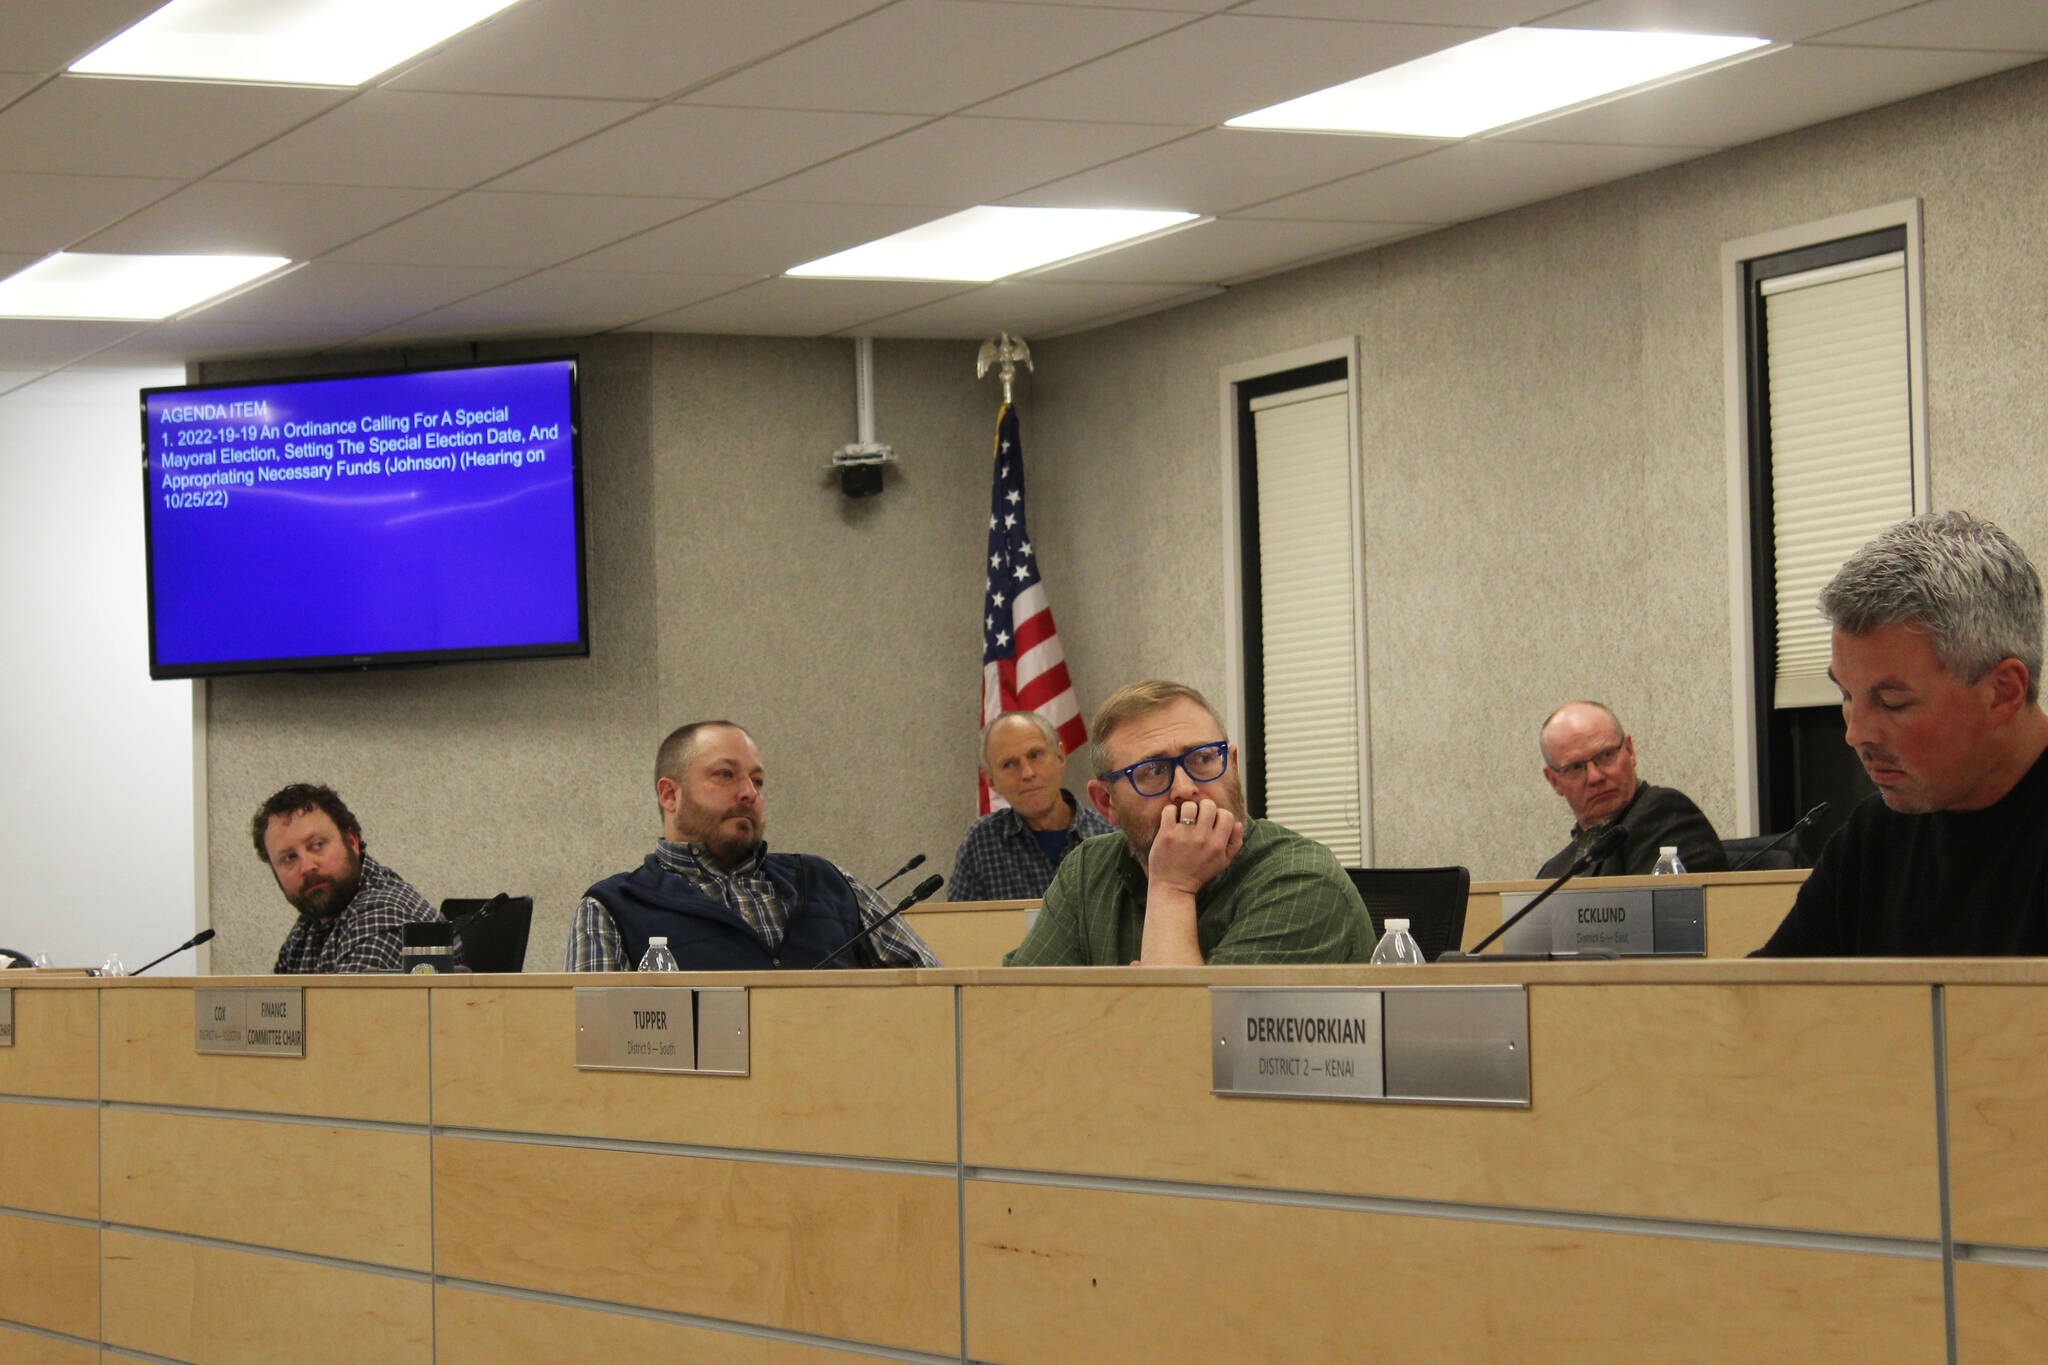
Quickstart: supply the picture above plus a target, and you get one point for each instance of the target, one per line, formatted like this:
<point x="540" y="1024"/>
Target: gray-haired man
<point x="1011" y="854"/>
<point x="1937" y="652"/>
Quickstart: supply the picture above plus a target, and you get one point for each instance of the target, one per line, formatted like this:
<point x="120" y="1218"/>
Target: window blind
<point x="1308" y="593"/>
<point x="1841" y="443"/>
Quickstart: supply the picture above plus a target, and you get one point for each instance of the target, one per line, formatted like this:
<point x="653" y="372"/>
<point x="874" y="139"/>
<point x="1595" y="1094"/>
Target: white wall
<point x="96" y="761"/>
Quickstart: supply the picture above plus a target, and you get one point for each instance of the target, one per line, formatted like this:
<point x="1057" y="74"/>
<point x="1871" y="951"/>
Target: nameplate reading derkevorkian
<point x="249" y="1021"/>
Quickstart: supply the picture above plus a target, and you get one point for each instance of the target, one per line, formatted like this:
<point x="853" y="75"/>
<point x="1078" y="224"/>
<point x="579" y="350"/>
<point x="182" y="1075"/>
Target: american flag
<point x="1023" y="667"/>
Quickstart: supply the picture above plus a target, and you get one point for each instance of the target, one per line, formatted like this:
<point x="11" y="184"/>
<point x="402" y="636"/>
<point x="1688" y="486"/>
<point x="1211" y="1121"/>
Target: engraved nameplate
<point x="1635" y="921"/>
<point x="249" y="1021"/>
<point x="7" y="1017"/>
<point x="1407" y="1044"/>
<point x="691" y="1030"/>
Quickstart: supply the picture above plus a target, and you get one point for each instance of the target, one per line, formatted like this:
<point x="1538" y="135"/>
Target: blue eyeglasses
<point x="1204" y="763"/>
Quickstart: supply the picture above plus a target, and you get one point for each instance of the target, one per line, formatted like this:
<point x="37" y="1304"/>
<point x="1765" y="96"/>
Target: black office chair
<point x="1431" y="899"/>
<point x="1792" y="853"/>
<point x="493" y="932"/>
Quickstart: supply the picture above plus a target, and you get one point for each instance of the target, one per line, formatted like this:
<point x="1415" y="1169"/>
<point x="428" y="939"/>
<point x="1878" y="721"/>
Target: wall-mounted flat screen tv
<point x="362" y="521"/>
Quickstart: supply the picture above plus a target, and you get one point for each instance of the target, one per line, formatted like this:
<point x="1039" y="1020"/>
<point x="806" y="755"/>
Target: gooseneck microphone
<point x="1608" y="841"/>
<point x="923" y="891"/>
<point x="1801" y="823"/>
<point x="193" y="942"/>
<point x="918" y="861"/>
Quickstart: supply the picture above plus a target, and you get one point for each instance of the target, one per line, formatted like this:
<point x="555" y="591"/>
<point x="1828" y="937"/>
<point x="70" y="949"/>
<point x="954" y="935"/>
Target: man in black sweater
<point x="1590" y="761"/>
<point x="1937" y="652"/>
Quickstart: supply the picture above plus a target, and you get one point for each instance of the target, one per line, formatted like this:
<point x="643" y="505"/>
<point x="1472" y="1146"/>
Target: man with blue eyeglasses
<point x="1188" y="879"/>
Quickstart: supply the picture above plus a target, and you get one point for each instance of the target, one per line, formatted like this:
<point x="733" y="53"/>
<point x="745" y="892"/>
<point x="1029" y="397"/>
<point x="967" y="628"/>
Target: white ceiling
<point x="580" y="166"/>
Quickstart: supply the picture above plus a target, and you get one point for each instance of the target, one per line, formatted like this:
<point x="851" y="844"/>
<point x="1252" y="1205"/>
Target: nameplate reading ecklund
<point x="7" y="1017"/>
<point x="1411" y="1044"/>
<point x="249" y="1021"/>
<point x="694" y="1030"/>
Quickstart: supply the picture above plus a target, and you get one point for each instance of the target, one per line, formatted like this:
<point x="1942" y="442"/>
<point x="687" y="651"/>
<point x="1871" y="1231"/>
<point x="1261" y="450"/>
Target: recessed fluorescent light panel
<point x="282" y="42"/>
<point x="990" y="243"/>
<point x="1503" y="78"/>
<point x="144" y="288"/>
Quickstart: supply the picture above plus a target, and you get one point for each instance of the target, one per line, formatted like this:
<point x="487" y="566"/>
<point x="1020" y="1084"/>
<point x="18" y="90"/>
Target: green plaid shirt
<point x="1284" y="898"/>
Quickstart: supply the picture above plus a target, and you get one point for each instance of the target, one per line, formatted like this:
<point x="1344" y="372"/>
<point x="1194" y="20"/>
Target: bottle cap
<point x="658" y="941"/>
<point x="1667" y="850"/>
<point x="1394" y="925"/>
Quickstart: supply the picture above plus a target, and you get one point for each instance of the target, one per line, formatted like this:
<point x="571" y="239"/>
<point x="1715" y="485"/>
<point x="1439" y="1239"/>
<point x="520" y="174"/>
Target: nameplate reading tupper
<point x="691" y="1030"/>
<point x="249" y="1021"/>
<point x="7" y="1017"/>
<point x="1405" y="1044"/>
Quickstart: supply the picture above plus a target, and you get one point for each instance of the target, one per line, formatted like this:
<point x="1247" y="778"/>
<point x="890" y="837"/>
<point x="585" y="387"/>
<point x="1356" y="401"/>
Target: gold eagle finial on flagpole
<point x="1004" y="352"/>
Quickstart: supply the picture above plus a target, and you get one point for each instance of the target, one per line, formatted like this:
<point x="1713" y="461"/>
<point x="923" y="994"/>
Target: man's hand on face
<point x="1196" y="841"/>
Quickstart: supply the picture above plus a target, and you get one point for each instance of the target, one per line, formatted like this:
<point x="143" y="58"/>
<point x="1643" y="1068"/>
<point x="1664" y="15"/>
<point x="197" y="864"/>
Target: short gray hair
<point x="1599" y="706"/>
<point x="1956" y="577"/>
<point x="672" y="759"/>
<point x="1045" y="727"/>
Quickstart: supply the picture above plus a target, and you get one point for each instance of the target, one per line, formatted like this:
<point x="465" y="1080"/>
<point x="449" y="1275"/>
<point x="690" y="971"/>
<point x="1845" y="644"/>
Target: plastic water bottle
<point x="1397" y="947"/>
<point x="1667" y="861"/>
<point x="658" y="958"/>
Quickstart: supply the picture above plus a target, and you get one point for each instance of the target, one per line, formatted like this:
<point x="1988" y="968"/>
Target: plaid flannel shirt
<point x="1000" y="859"/>
<point x="366" y="935"/>
<point x="595" y="944"/>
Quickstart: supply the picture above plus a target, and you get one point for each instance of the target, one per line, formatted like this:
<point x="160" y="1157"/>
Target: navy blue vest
<point x="706" y="935"/>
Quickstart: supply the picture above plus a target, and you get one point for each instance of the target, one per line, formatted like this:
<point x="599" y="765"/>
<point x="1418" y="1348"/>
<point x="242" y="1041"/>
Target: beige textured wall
<point x="728" y="576"/>
<point x="1542" y="434"/>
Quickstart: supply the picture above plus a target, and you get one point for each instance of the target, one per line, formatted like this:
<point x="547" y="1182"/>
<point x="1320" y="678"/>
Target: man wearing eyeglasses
<point x="1590" y="761"/>
<point x="1188" y="879"/>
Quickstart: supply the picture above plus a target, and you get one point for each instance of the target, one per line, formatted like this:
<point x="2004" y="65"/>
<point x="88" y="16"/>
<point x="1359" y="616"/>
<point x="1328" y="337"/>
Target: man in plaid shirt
<point x="1192" y="880"/>
<point x="712" y="889"/>
<point x="1011" y="854"/>
<point x="352" y="908"/>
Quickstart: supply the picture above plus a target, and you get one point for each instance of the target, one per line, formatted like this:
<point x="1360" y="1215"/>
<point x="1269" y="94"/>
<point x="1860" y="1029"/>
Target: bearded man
<point x="715" y="892"/>
<point x="352" y="908"/>
<point x="1193" y="880"/>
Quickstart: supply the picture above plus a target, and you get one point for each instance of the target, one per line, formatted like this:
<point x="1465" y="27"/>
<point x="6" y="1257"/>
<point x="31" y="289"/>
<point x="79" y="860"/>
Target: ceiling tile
<point x="1032" y="308"/>
<point x="934" y="56"/>
<point x="46" y="344"/>
<point x="620" y="49"/>
<point x="1178" y="6"/>
<point x="299" y="221"/>
<point x="196" y="339"/>
<point x="696" y="151"/>
<point x="1217" y="68"/>
<point x="1774" y="93"/>
<point x="1784" y="20"/>
<point x="1470" y="180"/>
<point x="352" y="298"/>
<point x="405" y="138"/>
<point x="1997" y="24"/>
<point x="1223" y="169"/>
<point x="13" y="86"/>
<point x="526" y="230"/>
<point x="559" y="303"/>
<point x="87" y="125"/>
<point x="50" y="37"/>
<point x="804" y="308"/>
<point x="957" y="162"/>
<point x="45" y="213"/>
<point x="1227" y="250"/>
<point x="753" y="237"/>
<point x="1478" y="13"/>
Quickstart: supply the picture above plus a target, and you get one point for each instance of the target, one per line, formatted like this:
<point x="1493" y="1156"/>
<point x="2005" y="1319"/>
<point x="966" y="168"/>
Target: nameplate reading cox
<point x="1402" y="1044"/>
<point x="249" y="1021"/>
<point x="692" y="1030"/>
<point x="7" y="1017"/>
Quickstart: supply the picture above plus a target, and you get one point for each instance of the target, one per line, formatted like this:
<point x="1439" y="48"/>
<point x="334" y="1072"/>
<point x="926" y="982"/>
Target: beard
<point x="711" y="828"/>
<point x="323" y="899"/>
<point x="1141" y="826"/>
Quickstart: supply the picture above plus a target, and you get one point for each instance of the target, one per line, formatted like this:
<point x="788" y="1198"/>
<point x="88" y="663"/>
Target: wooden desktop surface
<point x="1721" y="1160"/>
